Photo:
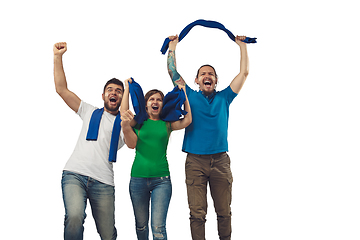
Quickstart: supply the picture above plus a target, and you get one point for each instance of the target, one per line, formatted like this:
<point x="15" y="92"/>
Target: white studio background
<point x="293" y="131"/>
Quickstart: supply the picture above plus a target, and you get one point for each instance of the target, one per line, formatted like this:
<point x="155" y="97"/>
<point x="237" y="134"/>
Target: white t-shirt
<point x="90" y="158"/>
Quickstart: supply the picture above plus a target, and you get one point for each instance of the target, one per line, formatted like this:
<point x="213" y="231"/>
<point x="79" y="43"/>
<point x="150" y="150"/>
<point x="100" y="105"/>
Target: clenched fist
<point x="126" y="117"/>
<point x="59" y="48"/>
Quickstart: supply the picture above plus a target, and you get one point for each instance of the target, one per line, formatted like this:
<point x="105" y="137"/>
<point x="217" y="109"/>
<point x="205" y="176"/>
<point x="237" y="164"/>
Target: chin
<point x="112" y="108"/>
<point x="209" y="90"/>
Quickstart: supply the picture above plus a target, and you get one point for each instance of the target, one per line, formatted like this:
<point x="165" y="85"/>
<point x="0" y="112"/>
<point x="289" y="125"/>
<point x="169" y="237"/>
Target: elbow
<point x="57" y="89"/>
<point x="170" y="73"/>
<point x="188" y="121"/>
<point x="130" y="144"/>
<point x="246" y="73"/>
<point x="60" y="89"/>
<point x="130" y="137"/>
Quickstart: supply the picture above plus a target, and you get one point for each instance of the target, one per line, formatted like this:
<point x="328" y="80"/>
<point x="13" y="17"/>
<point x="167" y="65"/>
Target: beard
<point x="111" y="108"/>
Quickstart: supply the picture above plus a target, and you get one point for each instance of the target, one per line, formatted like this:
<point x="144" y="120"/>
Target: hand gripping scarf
<point x="94" y="125"/>
<point x="171" y="112"/>
<point x="204" y="23"/>
<point x="172" y="103"/>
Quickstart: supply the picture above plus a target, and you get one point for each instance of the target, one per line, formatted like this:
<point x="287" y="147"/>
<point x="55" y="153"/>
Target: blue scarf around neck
<point x="171" y="112"/>
<point x="93" y="132"/>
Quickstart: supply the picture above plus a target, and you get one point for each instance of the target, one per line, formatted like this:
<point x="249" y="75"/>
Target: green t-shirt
<point x="150" y="155"/>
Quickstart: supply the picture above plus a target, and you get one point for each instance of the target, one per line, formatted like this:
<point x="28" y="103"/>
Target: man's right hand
<point x="59" y="48"/>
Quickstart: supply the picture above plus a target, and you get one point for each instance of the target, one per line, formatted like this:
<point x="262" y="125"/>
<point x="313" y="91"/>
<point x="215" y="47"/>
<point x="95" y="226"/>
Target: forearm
<point x="239" y="80"/>
<point x="130" y="136"/>
<point x="186" y="121"/>
<point x="171" y="66"/>
<point x="244" y="61"/>
<point x="125" y="101"/>
<point x="188" y="116"/>
<point x="59" y="75"/>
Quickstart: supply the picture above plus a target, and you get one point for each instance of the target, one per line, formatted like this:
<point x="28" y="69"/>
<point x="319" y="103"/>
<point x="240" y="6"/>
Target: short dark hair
<point x="114" y="81"/>
<point x="206" y="65"/>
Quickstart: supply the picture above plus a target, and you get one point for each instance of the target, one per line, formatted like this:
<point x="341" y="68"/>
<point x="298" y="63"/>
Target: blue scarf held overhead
<point x="172" y="103"/>
<point x="204" y="23"/>
<point x="93" y="132"/>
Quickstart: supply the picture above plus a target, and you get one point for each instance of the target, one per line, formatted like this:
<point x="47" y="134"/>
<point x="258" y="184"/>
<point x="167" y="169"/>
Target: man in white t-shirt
<point x="88" y="174"/>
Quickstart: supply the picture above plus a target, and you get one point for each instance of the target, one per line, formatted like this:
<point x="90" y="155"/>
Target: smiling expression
<point x="154" y="105"/>
<point x="206" y="79"/>
<point x="112" y="98"/>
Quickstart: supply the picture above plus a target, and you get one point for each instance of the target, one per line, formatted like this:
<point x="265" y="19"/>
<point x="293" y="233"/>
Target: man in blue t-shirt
<point x="205" y="141"/>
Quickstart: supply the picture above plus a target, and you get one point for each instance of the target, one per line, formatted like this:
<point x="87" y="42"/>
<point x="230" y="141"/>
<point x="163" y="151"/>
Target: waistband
<point x="215" y="155"/>
<point x="152" y="178"/>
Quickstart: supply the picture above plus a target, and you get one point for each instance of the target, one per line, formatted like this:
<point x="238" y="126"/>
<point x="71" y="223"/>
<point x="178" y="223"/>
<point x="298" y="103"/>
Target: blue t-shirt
<point x="207" y="134"/>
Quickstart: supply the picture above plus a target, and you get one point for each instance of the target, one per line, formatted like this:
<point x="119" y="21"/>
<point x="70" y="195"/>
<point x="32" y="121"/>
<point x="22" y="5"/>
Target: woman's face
<point x="154" y="106"/>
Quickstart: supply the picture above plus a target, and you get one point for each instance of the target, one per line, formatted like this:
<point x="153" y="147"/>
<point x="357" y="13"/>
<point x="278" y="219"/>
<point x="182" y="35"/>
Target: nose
<point x="112" y="92"/>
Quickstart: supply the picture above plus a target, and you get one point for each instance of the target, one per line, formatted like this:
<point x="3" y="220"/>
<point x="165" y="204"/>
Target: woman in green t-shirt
<point x="150" y="176"/>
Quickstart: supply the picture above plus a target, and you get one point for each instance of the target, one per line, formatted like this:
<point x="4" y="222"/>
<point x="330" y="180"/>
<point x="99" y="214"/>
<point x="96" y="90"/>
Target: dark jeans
<point x="215" y="169"/>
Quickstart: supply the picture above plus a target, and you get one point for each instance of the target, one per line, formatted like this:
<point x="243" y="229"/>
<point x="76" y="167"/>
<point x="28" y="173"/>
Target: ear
<point x="102" y="96"/>
<point x="196" y="80"/>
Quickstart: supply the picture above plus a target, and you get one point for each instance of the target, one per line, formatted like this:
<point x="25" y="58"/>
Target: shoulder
<point x="85" y="109"/>
<point x="228" y="90"/>
<point x="189" y="89"/>
<point x="227" y="93"/>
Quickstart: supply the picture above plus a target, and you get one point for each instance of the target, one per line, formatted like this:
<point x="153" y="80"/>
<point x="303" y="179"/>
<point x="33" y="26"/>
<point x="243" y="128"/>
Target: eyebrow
<point x="158" y="98"/>
<point x="115" y="88"/>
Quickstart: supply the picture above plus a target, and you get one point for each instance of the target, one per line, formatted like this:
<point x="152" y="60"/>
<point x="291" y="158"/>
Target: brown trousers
<point x="215" y="169"/>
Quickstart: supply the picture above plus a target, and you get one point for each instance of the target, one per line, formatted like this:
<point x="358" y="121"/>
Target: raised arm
<point x="124" y="107"/>
<point x="127" y="118"/>
<point x="130" y="137"/>
<point x="186" y="121"/>
<point x="70" y="98"/>
<point x="239" y="80"/>
<point x="171" y="62"/>
<point x="125" y="99"/>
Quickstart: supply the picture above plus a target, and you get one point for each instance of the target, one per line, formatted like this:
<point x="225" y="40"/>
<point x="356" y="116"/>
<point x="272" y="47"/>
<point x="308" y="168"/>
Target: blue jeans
<point x="76" y="190"/>
<point x="158" y="190"/>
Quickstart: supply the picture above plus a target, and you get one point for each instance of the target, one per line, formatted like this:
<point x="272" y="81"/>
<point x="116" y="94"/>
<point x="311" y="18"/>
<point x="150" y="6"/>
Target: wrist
<point x="172" y="46"/>
<point x="57" y="57"/>
<point x="125" y="125"/>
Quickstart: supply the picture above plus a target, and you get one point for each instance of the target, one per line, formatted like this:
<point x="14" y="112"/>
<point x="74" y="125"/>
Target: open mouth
<point x="113" y="100"/>
<point x="155" y="108"/>
<point x="207" y="83"/>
